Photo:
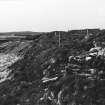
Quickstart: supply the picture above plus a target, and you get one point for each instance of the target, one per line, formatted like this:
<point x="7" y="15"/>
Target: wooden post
<point x="59" y="39"/>
<point x="55" y="34"/>
<point x="87" y="32"/>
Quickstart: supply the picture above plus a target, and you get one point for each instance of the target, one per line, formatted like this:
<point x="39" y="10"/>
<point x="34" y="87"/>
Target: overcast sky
<point x="49" y="15"/>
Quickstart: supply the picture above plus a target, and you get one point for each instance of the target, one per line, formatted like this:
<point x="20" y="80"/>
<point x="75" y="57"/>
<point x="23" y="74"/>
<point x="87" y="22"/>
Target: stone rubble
<point x="6" y="60"/>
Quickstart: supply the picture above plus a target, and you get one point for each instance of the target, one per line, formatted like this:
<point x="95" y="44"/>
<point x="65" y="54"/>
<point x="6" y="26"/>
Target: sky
<point x="51" y="15"/>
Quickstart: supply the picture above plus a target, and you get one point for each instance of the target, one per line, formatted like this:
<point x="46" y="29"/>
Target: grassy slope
<point x="26" y="88"/>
